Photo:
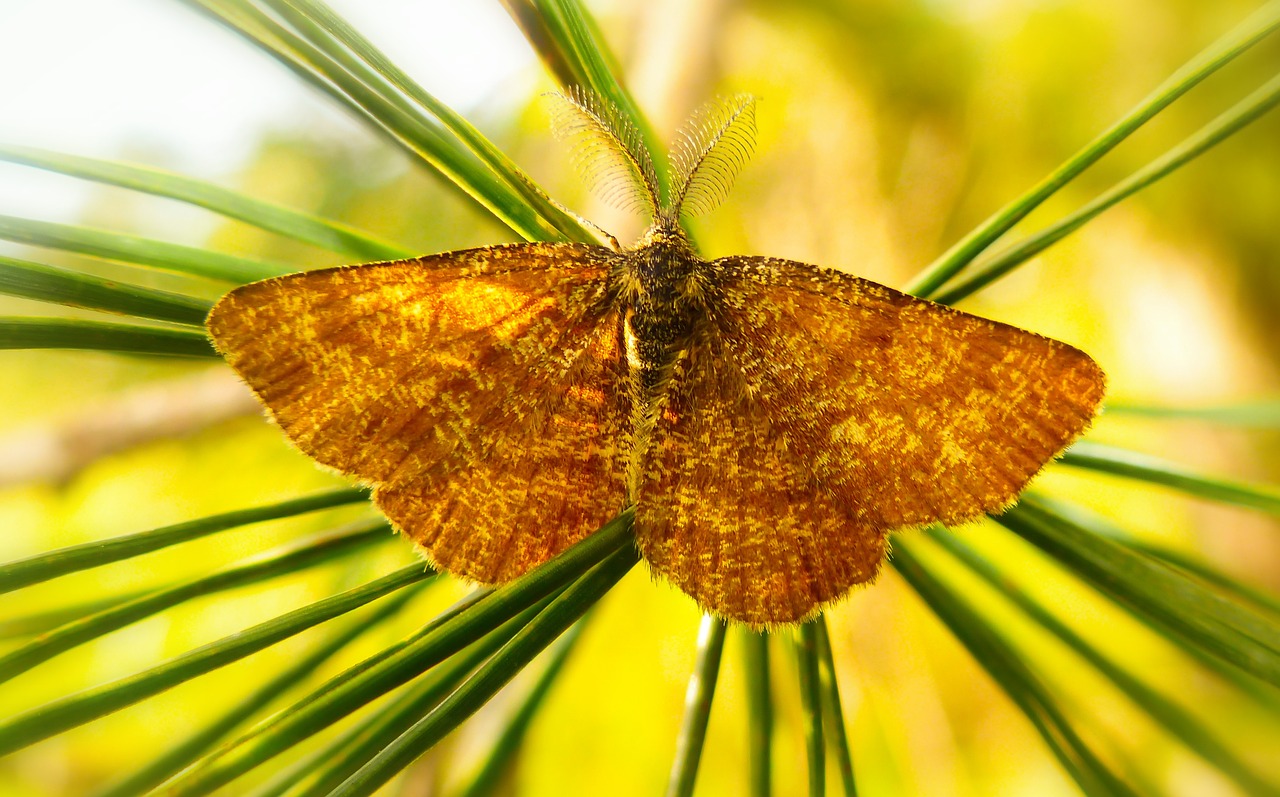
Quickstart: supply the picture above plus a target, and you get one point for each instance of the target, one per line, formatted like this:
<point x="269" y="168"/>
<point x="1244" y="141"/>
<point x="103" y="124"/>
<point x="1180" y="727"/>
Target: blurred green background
<point x="887" y="129"/>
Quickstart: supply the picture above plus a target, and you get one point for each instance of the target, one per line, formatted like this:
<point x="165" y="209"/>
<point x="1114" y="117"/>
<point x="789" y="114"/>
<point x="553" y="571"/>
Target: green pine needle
<point x="1132" y="465"/>
<point x="759" y="712"/>
<point x="43" y="567"/>
<point x="1258" y="26"/>
<point x="1181" y="608"/>
<point x="138" y="251"/>
<point x="298" y="226"/>
<point x="563" y="611"/>
<point x="187" y="752"/>
<point x="1179" y="722"/>
<point x="807" y="658"/>
<point x="307" y="552"/>
<point x="697" y="707"/>
<point x="62" y="333"/>
<point x="1229" y="123"/>
<point x="77" y="289"/>
<point x="69" y="712"/>
<point x="1012" y="672"/>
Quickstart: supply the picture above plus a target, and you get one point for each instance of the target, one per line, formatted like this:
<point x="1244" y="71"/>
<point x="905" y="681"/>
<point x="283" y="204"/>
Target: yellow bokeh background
<point x="887" y="129"/>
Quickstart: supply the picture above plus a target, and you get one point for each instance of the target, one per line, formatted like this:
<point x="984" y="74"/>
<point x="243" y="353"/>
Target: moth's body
<point x="661" y="289"/>
<point x="770" y="421"/>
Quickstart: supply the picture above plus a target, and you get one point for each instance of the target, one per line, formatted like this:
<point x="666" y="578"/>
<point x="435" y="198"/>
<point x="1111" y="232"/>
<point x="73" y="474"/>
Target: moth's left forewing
<point x="914" y="412"/>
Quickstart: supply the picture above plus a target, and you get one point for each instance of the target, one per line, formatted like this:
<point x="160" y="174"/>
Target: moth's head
<point x="665" y="233"/>
<point x="706" y="156"/>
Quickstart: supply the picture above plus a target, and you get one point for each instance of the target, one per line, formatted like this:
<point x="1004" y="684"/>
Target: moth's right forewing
<point x="409" y="375"/>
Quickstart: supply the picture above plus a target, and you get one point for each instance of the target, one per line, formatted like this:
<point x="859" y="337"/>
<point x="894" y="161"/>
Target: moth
<point x="770" y="421"/>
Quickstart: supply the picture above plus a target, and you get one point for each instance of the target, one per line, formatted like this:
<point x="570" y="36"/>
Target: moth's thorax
<point x="663" y="291"/>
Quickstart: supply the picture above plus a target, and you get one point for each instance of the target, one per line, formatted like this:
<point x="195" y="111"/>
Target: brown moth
<point x="770" y="421"/>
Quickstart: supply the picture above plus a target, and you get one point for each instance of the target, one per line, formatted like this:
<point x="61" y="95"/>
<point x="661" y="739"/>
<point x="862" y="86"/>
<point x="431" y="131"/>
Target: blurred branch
<point x="57" y="451"/>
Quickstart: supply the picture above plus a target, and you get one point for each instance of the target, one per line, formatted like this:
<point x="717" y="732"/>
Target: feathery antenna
<point x="709" y="150"/>
<point x="607" y="150"/>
